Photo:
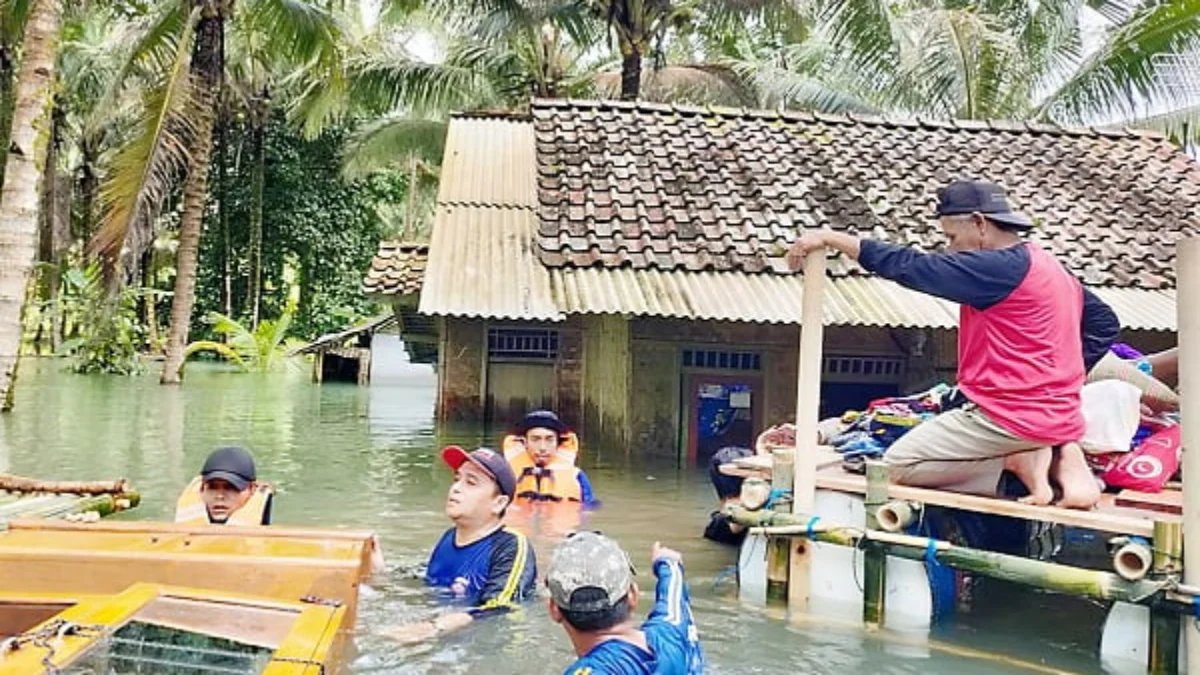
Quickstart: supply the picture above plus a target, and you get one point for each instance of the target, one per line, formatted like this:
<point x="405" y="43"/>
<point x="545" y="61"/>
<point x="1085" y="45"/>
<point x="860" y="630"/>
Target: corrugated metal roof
<point x="481" y="264"/>
<point x="734" y="296"/>
<point x="489" y="162"/>
<point x="1141" y="309"/>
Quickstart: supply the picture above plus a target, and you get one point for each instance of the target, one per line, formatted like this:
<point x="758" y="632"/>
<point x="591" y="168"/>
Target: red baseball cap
<point x="489" y="461"/>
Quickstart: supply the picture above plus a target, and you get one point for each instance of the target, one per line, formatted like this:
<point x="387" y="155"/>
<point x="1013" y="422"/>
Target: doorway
<point x="721" y="410"/>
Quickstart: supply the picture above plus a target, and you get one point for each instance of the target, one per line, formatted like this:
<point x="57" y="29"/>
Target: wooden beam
<point x="874" y="560"/>
<point x="1163" y="658"/>
<point x="808" y="400"/>
<point x="1110" y="520"/>
<point x="1187" y="271"/>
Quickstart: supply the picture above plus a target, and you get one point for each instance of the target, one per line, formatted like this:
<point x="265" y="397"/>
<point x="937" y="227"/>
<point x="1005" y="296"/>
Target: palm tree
<point x="485" y="59"/>
<point x="996" y="59"/>
<point x="12" y="25"/>
<point x="19" y="197"/>
<point x="182" y="51"/>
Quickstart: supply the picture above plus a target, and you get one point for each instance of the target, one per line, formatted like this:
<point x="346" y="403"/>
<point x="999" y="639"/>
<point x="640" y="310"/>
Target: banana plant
<point x="261" y="349"/>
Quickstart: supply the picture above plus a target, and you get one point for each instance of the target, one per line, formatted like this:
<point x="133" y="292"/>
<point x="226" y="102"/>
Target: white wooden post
<point x="808" y="400"/>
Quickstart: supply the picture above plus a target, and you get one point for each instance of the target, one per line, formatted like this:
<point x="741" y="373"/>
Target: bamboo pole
<point x="808" y="399"/>
<point x="1188" y="306"/>
<point x="874" y="561"/>
<point x="1036" y="573"/>
<point x="1164" y="625"/>
<point x="22" y="484"/>
<point x="778" y="549"/>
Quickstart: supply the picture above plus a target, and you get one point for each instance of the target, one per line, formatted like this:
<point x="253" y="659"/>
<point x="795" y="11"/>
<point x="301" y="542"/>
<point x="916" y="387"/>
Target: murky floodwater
<point x="364" y="457"/>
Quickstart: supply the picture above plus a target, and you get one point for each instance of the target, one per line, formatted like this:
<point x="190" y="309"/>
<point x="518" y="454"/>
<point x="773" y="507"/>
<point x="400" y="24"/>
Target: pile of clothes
<point x="869" y="433"/>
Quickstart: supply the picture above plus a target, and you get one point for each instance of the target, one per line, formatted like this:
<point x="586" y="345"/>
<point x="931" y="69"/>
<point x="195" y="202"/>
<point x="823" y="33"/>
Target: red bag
<point x="1150" y="466"/>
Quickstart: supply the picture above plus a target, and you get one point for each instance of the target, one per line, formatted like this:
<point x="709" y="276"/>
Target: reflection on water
<point x="364" y="457"/>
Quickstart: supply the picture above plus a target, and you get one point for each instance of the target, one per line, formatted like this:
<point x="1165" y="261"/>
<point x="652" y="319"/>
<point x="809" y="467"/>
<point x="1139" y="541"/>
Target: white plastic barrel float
<point x="837" y="573"/>
<point x="912" y="605"/>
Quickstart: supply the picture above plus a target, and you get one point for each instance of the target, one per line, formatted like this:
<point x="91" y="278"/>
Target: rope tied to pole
<point x="811" y="527"/>
<point x="931" y="553"/>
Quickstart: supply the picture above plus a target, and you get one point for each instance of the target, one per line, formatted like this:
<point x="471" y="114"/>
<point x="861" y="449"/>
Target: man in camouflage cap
<point x="592" y="595"/>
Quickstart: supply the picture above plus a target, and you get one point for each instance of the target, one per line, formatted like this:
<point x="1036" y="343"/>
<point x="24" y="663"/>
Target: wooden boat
<point x="150" y="628"/>
<point x="290" y="590"/>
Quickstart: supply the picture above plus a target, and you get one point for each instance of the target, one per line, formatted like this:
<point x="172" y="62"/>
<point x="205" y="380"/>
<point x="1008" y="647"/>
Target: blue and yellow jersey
<point x="492" y="574"/>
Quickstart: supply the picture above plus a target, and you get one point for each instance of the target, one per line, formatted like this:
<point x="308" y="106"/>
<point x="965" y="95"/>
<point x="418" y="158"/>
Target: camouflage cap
<point x="589" y="560"/>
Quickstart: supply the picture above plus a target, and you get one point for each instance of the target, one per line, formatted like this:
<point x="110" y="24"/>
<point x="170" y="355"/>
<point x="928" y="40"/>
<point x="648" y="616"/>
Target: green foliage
<point x="101" y="333"/>
<point x="262" y="349"/>
<point x="319" y="231"/>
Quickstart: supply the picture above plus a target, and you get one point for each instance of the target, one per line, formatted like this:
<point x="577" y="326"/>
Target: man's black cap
<point x="231" y="464"/>
<point x="541" y="419"/>
<point x="963" y="197"/>
<point x="726" y="486"/>
<point x="489" y="461"/>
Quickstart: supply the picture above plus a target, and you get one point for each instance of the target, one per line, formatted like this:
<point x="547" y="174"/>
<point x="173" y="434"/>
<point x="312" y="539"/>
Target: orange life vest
<point x="557" y="481"/>
<point x="191" y="509"/>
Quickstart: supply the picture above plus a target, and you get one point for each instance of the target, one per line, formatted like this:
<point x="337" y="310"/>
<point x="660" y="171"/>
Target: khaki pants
<point x="962" y="451"/>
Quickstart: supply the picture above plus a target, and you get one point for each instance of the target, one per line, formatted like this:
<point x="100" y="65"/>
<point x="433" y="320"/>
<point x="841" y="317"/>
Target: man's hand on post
<point x="805" y="244"/>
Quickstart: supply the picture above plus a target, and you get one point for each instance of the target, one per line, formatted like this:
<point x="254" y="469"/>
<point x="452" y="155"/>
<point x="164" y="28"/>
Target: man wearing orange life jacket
<point x="542" y="455"/>
<point x="226" y="492"/>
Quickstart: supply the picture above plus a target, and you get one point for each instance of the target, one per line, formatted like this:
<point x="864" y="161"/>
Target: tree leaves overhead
<point x="1126" y="66"/>
<point x="386" y="142"/>
<point x="147" y="168"/>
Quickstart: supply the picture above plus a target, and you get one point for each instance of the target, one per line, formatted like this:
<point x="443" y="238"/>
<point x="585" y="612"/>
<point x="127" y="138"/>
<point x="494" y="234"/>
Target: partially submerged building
<point x="623" y="263"/>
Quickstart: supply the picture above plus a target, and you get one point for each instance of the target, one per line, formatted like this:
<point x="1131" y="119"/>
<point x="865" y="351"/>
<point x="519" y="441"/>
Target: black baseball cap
<point x="489" y="461"/>
<point x="726" y="486"/>
<point x="231" y="464"/>
<point x="989" y="200"/>
<point x="541" y="419"/>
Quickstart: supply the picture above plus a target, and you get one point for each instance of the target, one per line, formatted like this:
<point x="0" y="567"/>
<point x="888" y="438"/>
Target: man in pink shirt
<point x="1024" y="323"/>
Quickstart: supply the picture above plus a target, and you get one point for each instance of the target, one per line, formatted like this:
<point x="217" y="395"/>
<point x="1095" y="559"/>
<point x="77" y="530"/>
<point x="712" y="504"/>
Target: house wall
<point x="606" y="381"/>
<point x="619" y="381"/>
<point x="657" y="418"/>
<point x="462" y="352"/>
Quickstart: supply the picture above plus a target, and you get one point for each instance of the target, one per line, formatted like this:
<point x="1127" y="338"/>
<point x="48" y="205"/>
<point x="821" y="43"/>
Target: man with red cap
<point x="483" y="565"/>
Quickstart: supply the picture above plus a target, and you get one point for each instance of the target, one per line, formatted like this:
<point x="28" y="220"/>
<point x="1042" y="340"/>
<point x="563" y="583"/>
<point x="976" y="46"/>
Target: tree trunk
<point x="410" y="207"/>
<point x="223" y="214"/>
<point x="631" y="74"/>
<point x="148" y="299"/>
<point x="19" y="198"/>
<point x="89" y="187"/>
<point x="7" y="99"/>
<point x="258" y="157"/>
<point x="55" y="223"/>
<point x="208" y="56"/>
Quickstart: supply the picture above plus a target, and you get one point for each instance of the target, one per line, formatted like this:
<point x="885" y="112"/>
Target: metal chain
<point x="43" y="638"/>
<point x="316" y="600"/>
<point x="302" y="661"/>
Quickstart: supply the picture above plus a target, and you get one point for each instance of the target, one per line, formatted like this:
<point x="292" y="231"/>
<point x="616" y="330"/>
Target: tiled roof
<point x="653" y="187"/>
<point x="398" y="268"/>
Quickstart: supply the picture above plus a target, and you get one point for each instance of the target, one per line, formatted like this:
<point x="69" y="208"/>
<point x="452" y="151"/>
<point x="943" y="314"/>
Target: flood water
<point x="364" y="457"/>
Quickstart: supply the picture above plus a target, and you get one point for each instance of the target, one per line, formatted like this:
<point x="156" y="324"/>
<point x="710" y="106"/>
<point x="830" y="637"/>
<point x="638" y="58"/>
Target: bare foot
<point x="1070" y="470"/>
<point x="1033" y="468"/>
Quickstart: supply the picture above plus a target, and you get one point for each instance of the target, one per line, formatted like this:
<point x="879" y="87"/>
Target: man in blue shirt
<point x="592" y="595"/>
<point x="483" y="565"/>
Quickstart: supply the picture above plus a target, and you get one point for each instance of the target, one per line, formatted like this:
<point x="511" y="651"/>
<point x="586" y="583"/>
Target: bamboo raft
<point x="22" y="497"/>
<point x="1127" y="512"/>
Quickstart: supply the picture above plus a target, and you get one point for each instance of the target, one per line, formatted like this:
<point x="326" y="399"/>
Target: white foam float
<point x="837" y="572"/>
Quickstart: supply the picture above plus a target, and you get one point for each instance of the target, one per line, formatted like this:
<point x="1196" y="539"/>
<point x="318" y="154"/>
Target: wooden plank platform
<point x="1110" y="515"/>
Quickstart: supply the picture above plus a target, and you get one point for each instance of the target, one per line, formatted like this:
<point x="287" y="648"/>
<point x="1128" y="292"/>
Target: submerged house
<point x="623" y="263"/>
